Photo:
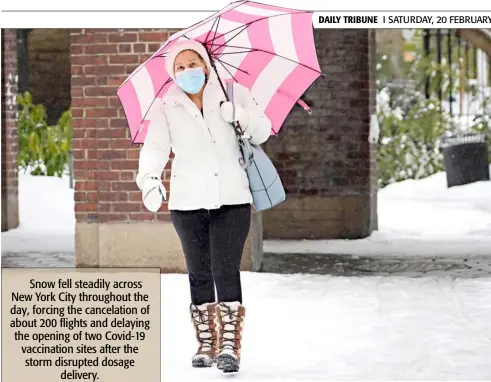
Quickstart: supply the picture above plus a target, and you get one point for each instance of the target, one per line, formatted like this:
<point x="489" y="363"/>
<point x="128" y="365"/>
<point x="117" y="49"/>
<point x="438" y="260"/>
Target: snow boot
<point x="230" y="317"/>
<point x="204" y="317"/>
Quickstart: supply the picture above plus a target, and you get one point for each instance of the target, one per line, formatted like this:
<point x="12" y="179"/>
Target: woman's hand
<point x="153" y="193"/>
<point x="241" y="116"/>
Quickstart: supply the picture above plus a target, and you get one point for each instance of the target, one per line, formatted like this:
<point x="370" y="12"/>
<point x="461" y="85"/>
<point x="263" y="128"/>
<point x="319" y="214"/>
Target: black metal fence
<point x="447" y="46"/>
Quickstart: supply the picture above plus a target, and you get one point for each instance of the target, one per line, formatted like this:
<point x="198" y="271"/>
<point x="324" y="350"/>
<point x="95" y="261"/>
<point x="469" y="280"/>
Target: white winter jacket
<point x="206" y="172"/>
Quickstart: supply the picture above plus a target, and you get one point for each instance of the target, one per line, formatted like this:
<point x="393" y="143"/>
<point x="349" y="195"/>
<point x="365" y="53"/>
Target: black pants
<point x="213" y="242"/>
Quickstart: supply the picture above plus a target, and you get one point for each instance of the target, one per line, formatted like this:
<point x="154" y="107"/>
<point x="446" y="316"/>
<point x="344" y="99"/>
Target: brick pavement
<point x="335" y="265"/>
<point x="38" y="260"/>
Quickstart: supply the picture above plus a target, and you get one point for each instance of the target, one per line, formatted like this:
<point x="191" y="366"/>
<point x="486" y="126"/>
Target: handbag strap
<point x="244" y="144"/>
<point x="230" y="95"/>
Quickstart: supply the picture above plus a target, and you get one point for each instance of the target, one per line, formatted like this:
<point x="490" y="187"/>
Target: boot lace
<point x="228" y="318"/>
<point x="200" y="320"/>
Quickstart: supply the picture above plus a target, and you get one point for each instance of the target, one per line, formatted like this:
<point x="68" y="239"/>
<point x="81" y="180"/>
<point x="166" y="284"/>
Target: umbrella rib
<point x="229" y="46"/>
<point x="216" y="29"/>
<point x="241" y="29"/>
<point x="288" y="59"/>
<point x="194" y="26"/>
<point x="211" y="43"/>
<point x="247" y="25"/>
<point x="217" y="21"/>
<point x="135" y="72"/>
<point x="228" y="71"/>
<point x="241" y="52"/>
<point x="268" y="52"/>
<point x="145" y="116"/>
<point x="232" y="66"/>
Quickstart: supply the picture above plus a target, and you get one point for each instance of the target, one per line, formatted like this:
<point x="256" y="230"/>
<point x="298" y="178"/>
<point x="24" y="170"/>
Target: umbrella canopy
<point x="268" y="49"/>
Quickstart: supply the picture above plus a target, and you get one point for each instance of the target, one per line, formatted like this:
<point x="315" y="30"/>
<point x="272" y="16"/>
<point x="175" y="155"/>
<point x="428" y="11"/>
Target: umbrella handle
<point x="299" y="101"/>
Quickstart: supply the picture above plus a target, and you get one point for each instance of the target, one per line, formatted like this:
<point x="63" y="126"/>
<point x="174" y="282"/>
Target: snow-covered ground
<point x="416" y="217"/>
<point x="315" y="328"/>
<point x="420" y="218"/>
<point x="321" y="328"/>
<point x="47" y="218"/>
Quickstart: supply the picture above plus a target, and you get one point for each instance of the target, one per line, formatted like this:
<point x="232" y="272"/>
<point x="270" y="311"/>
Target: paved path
<point x="38" y="260"/>
<point x="336" y="265"/>
<point x="350" y="265"/>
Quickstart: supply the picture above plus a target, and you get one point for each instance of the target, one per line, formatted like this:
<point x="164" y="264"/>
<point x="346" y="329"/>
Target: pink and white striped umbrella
<point x="268" y="49"/>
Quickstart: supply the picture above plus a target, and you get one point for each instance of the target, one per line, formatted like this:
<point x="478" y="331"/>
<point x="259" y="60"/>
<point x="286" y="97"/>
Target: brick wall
<point x="325" y="160"/>
<point x="10" y="207"/>
<point x="105" y="161"/>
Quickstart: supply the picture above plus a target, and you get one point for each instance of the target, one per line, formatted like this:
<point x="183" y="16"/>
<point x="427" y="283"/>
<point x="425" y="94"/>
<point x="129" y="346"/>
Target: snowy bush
<point x="43" y="149"/>
<point x="412" y="127"/>
<point x="410" y="139"/>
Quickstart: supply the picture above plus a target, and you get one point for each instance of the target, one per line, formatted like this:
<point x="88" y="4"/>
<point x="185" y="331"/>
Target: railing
<point x="466" y="85"/>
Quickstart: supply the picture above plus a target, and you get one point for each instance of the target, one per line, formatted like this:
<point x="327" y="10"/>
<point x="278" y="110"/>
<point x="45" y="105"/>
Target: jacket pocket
<point x="178" y="185"/>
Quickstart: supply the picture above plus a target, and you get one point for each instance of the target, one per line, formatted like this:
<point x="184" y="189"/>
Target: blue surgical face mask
<point x="191" y="80"/>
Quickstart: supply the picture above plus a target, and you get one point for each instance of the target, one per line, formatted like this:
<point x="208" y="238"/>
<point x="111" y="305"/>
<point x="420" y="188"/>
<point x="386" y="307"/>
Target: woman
<point x="210" y="200"/>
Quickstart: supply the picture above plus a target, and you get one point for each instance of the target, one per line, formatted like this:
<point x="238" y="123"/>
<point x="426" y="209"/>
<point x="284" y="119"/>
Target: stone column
<point x="10" y="142"/>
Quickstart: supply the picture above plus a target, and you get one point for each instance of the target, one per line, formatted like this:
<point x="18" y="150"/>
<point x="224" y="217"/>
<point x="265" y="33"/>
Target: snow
<point x="46" y="213"/>
<point x="319" y="328"/>
<point x="316" y="328"/>
<point x="428" y="208"/>
<point x="416" y="218"/>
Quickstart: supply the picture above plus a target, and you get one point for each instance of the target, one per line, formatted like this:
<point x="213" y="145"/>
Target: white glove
<point x="227" y="112"/>
<point x="153" y="193"/>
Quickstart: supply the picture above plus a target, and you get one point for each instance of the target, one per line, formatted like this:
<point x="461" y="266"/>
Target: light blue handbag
<point x="264" y="181"/>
